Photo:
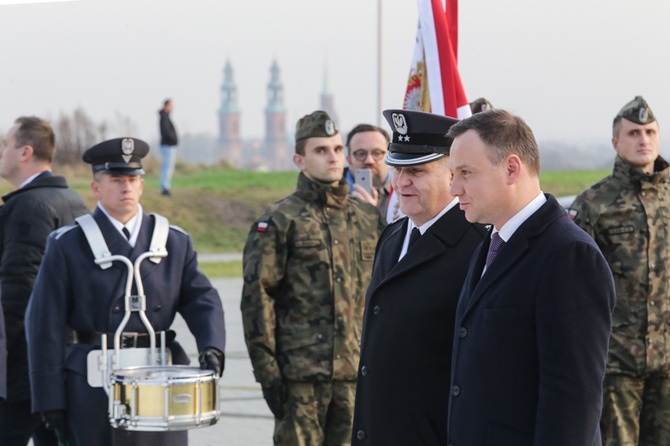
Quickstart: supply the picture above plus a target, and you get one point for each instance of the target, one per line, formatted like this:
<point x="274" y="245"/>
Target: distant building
<point x="230" y="141"/>
<point x="328" y="100"/>
<point x="276" y="140"/>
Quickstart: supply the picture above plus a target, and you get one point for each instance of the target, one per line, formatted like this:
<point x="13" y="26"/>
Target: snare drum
<point x="163" y="398"/>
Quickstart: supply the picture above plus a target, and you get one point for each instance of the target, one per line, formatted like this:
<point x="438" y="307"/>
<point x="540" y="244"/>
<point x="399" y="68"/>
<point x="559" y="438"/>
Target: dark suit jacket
<point x="403" y="380"/>
<point x="532" y="334"/>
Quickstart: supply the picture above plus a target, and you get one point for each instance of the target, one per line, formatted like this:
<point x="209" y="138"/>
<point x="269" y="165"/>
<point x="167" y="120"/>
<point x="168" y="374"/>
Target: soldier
<point x="366" y="148"/>
<point x="74" y="291"/>
<point x="627" y="214"/>
<point x="307" y="263"/>
<point x="41" y="203"/>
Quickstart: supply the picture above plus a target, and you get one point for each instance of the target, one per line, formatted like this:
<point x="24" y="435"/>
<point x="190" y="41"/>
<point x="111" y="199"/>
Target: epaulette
<point x="177" y="228"/>
<point x="62" y="230"/>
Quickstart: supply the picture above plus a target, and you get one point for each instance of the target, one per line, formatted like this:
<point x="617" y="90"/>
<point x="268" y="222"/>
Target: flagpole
<point x="380" y="81"/>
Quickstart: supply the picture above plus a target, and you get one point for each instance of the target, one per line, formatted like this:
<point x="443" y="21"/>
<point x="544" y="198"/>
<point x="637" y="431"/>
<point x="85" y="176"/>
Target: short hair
<point x="38" y="134"/>
<point x="166" y="102"/>
<point x="505" y="134"/>
<point x="360" y="128"/>
<point x="300" y="146"/>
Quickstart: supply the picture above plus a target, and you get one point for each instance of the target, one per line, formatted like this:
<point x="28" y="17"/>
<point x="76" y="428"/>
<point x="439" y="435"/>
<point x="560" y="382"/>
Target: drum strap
<point x="99" y="247"/>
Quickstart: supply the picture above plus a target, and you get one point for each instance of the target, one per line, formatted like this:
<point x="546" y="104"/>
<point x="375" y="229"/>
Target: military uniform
<point x="72" y="291"/>
<point x="627" y="214"/>
<point x="307" y="263"/>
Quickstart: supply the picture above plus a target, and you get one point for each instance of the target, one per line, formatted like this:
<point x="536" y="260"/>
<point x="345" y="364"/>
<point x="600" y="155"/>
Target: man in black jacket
<point x="41" y="203"/>
<point x="168" y="146"/>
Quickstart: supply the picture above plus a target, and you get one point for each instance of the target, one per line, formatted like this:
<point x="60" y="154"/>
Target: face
<point x="482" y="188"/>
<point x="370" y="147"/>
<point x="118" y="194"/>
<point x="423" y="190"/>
<point x="10" y="156"/>
<point x="323" y="160"/>
<point x="638" y="144"/>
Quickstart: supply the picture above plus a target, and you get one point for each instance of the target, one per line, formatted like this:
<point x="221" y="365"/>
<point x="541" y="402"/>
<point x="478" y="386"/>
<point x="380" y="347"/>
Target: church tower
<point x="276" y="142"/>
<point x="230" y="141"/>
<point x="327" y="99"/>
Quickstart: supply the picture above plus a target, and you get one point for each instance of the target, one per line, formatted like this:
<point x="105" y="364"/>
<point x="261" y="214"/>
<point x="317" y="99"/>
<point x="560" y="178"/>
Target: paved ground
<point x="245" y="418"/>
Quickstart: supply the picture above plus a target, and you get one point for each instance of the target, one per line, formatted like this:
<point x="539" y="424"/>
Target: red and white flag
<point x="434" y="83"/>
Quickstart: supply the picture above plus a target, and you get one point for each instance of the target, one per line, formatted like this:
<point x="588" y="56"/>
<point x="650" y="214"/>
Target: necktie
<point x="126" y="232"/>
<point x="413" y="237"/>
<point x="496" y="245"/>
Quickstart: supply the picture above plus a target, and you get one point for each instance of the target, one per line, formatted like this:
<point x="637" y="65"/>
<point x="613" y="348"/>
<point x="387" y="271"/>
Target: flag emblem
<point x="262" y="226"/>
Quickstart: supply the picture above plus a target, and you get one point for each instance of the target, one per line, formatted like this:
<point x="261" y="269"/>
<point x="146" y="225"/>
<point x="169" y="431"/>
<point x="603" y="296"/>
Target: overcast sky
<point x="566" y="66"/>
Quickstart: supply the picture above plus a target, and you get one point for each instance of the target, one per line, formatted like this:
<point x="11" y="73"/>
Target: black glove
<point x="54" y="420"/>
<point x="212" y="359"/>
<point x="275" y="395"/>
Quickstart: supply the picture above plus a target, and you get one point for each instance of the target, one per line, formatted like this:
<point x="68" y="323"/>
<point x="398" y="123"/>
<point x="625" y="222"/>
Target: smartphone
<point x="364" y="178"/>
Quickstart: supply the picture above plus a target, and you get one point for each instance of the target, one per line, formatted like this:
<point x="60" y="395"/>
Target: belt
<point x="127" y="339"/>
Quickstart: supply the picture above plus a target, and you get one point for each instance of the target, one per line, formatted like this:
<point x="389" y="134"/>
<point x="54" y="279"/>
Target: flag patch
<point x="262" y="226"/>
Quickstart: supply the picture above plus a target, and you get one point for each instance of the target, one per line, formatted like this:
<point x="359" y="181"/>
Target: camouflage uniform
<point x="307" y="264"/>
<point x="627" y="214"/>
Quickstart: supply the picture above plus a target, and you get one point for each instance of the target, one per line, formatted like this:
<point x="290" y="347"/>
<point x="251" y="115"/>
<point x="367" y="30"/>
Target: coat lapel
<point x="515" y="248"/>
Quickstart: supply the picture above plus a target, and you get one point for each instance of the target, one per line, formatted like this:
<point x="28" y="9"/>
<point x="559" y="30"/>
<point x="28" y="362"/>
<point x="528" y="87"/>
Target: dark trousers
<point x="18" y="425"/>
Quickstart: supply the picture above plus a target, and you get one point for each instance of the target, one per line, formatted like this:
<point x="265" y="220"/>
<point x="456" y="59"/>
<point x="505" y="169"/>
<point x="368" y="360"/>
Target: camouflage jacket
<point x="307" y="264"/>
<point x="627" y="214"/>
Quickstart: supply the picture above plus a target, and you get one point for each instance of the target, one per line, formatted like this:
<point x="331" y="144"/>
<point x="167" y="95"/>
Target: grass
<point x="217" y="205"/>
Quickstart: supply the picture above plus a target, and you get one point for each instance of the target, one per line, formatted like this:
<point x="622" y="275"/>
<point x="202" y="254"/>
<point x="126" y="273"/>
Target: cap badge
<point x="644" y="115"/>
<point x="127" y="147"/>
<point x="400" y="123"/>
<point x="329" y="127"/>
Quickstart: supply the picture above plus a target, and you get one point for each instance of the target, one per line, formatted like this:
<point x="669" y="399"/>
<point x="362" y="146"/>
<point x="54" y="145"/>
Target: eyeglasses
<point x="362" y="155"/>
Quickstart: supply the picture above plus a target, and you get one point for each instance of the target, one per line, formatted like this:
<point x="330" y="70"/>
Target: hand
<point x="54" y="420"/>
<point x="362" y="194"/>
<point x="275" y="395"/>
<point x="212" y="359"/>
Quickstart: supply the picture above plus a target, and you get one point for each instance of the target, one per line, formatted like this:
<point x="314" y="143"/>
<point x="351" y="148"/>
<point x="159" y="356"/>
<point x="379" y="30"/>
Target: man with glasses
<point x="366" y="148"/>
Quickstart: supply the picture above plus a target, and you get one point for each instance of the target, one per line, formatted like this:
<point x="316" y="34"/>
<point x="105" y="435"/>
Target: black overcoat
<point x="532" y="336"/>
<point x="403" y="380"/>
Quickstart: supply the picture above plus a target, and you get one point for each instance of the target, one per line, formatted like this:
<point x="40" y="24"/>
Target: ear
<point x="95" y="187"/>
<point x="297" y="160"/>
<point x="513" y="168"/>
<point x="27" y="152"/>
<point x="615" y="144"/>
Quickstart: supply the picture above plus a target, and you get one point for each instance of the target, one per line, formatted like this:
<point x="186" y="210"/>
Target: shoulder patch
<point x="262" y="226"/>
<point x="573" y="213"/>
<point x="62" y="230"/>
<point x="177" y="228"/>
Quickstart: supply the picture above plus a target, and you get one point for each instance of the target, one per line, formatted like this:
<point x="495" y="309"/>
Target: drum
<point x="163" y="398"/>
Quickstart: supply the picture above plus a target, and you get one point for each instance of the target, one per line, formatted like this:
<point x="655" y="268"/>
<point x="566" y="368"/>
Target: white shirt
<point x="509" y="228"/>
<point x="424" y="227"/>
<point x="134" y="224"/>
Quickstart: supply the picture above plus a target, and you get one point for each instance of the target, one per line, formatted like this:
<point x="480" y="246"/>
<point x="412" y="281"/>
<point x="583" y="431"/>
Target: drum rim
<point x="134" y="372"/>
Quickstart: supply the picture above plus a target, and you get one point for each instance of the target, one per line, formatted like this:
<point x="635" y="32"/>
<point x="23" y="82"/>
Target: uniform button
<point x="116" y="309"/>
<point x="455" y="390"/>
<point x="340" y="318"/>
<point x="336" y="242"/>
<point x="337" y="357"/>
<point x="652" y="303"/>
<point x="339" y="279"/>
<point x="462" y="332"/>
<point x="158" y="308"/>
<point x="319" y="336"/>
<point x="377" y="309"/>
<point x="360" y="435"/>
<point x="364" y="370"/>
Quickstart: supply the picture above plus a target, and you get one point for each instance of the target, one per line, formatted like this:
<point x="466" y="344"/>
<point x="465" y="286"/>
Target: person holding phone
<point x="366" y="149"/>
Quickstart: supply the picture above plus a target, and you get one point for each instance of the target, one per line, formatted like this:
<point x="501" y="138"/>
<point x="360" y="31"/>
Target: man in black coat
<point x="534" y="317"/>
<point x="403" y="381"/>
<point x="41" y="203"/>
<point x="169" y="142"/>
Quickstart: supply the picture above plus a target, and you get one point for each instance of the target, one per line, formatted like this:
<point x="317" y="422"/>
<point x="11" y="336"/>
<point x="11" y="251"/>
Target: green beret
<point x="637" y="111"/>
<point x="315" y="125"/>
<point x="480" y="105"/>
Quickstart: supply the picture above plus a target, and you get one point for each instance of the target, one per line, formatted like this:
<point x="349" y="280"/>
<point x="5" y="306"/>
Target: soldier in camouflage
<point x="307" y="263"/>
<point x="627" y="214"/>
